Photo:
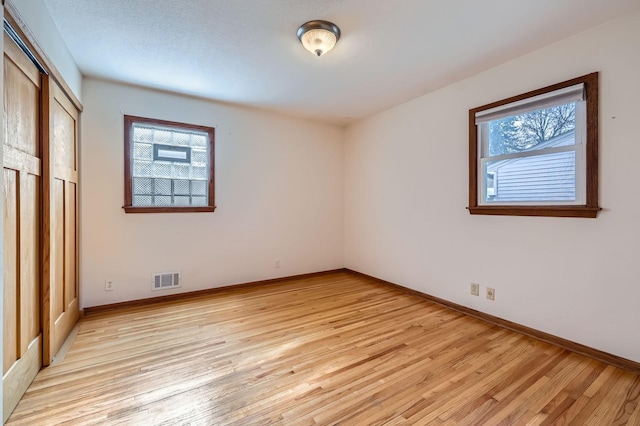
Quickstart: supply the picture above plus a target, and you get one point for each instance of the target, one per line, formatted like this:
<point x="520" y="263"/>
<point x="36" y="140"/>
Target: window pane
<point x="199" y="187"/>
<point x="182" y="171"/>
<point x="199" y="201"/>
<point x="549" y="177"/>
<point x="142" y="168"/>
<point x="143" y="201"/>
<point x="142" y="134"/>
<point x="181" y="200"/>
<point x="199" y="140"/>
<point x="181" y="187"/>
<point x="199" y="157"/>
<point x="199" y="172"/>
<point x="143" y="151"/>
<point x="181" y="138"/>
<point x="162" y="187"/>
<point x="162" y="137"/>
<point x="542" y="128"/>
<point x="161" y="169"/>
<point x="162" y="200"/>
<point x="142" y="186"/>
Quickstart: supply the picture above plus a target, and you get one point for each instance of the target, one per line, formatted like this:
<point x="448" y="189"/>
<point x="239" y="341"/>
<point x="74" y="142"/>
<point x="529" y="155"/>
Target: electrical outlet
<point x="475" y="289"/>
<point x="109" y="286"/>
<point x="277" y="263"/>
<point x="491" y="293"/>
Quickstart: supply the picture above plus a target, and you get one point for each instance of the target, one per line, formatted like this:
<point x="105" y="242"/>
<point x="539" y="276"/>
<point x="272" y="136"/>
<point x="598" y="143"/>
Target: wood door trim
<point x="579" y="348"/>
<point x="13" y="17"/>
<point x="47" y="181"/>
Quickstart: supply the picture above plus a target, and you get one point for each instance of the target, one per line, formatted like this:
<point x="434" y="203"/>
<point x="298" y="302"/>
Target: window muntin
<point x="543" y="167"/>
<point x="169" y="166"/>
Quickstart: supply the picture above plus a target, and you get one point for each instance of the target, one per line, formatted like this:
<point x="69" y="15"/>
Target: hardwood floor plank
<point x="631" y="402"/>
<point x="334" y="349"/>
<point x="611" y="410"/>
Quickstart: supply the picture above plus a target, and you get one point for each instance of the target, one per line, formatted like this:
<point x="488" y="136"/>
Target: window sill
<point x="551" y="211"/>
<point x="133" y="209"/>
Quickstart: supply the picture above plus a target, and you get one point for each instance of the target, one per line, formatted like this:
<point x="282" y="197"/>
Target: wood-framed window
<point x="168" y="166"/>
<point x="536" y="154"/>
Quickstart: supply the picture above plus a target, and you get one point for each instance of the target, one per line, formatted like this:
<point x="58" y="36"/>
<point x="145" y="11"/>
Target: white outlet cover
<point x="475" y="289"/>
<point x="491" y="293"/>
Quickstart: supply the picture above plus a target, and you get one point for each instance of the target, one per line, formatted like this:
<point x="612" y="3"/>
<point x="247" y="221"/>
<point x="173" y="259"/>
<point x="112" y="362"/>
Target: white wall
<point x="406" y="189"/>
<point x="2" y="135"/>
<point x="278" y="195"/>
<point x="36" y="15"/>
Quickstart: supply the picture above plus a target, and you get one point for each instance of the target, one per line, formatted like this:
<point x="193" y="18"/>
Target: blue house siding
<point x="548" y="177"/>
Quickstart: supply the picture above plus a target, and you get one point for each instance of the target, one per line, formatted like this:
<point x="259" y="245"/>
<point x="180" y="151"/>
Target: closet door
<point x="22" y="347"/>
<point x="61" y="305"/>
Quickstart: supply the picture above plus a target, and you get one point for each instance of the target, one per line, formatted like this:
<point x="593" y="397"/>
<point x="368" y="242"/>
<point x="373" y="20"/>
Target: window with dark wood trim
<point x="536" y="154"/>
<point x="168" y="166"/>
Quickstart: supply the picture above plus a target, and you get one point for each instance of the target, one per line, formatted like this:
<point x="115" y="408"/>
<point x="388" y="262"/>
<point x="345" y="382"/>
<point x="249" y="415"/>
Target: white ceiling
<point x="246" y="51"/>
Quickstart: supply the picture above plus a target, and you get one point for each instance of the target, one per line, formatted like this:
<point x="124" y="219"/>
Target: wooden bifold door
<point x="40" y="224"/>
<point x="22" y="339"/>
<point x="61" y="302"/>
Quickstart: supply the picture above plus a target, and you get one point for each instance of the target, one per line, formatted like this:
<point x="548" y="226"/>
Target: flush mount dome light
<point x="319" y="37"/>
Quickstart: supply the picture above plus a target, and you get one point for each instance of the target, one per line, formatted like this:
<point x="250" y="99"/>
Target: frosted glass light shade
<point x="318" y="41"/>
<point x="318" y="37"/>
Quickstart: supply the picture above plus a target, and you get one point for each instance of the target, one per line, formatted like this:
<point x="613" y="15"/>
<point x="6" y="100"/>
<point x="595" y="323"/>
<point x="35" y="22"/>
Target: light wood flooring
<point x="332" y="349"/>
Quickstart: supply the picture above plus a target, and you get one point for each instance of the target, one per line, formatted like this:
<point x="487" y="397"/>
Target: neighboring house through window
<point x="169" y="166"/>
<point x="533" y="178"/>
<point x="536" y="154"/>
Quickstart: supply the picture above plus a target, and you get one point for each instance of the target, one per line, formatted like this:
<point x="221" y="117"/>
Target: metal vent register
<point x="166" y="280"/>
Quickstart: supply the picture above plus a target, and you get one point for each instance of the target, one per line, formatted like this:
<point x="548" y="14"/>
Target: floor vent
<point x="166" y="280"/>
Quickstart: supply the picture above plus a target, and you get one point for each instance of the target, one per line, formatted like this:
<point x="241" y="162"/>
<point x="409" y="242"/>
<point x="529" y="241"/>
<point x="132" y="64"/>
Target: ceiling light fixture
<point x="318" y="37"/>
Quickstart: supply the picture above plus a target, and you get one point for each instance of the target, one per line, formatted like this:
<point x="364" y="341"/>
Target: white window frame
<point x="580" y="142"/>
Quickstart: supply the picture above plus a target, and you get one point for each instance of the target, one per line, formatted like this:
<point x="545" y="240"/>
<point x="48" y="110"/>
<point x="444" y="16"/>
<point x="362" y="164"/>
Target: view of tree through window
<point x="524" y="131"/>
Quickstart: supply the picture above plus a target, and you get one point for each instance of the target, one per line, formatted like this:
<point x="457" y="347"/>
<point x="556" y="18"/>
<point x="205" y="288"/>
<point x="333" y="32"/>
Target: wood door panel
<point x="64" y="136"/>
<point x="30" y="260"/>
<point x="10" y="276"/>
<point x="22" y="113"/>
